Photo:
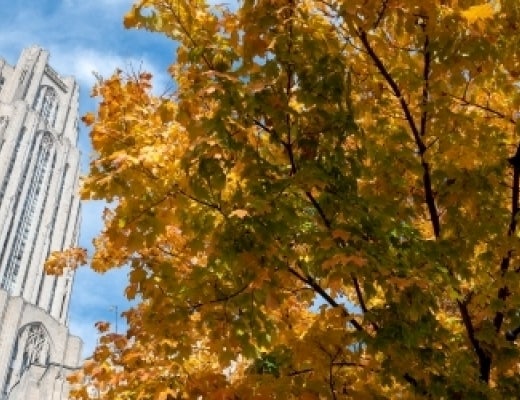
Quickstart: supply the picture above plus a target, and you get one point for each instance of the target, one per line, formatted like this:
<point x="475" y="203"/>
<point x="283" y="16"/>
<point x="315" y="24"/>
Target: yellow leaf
<point x="239" y="213"/>
<point x="88" y="119"/>
<point x="102" y="326"/>
<point x="474" y="13"/>
<point x="131" y="18"/>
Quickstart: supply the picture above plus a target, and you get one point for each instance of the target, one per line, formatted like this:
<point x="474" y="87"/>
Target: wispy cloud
<point x="82" y="36"/>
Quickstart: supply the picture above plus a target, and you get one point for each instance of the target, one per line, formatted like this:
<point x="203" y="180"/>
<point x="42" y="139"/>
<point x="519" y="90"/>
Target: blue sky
<point x="85" y="36"/>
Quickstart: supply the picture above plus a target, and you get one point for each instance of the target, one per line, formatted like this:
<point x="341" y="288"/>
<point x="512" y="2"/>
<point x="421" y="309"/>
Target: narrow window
<point x="12" y="160"/>
<point x="4" y="121"/>
<point x="28" y="212"/>
<point x="47" y="104"/>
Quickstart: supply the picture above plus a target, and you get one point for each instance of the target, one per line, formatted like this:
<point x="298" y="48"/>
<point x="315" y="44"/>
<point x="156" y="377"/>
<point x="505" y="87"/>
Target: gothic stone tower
<point x="39" y="213"/>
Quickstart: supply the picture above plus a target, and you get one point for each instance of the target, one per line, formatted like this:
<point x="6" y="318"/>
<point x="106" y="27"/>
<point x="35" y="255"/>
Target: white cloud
<point x="84" y="63"/>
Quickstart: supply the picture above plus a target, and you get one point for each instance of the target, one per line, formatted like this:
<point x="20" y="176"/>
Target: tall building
<point x="39" y="213"/>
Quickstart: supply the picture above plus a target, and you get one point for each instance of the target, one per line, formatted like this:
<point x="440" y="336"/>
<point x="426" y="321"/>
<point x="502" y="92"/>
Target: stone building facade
<point x="39" y="213"/>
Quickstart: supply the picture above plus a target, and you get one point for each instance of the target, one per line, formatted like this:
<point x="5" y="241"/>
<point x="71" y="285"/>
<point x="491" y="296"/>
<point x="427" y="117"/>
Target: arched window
<point x="32" y="347"/>
<point x="47" y="104"/>
<point x="36" y="350"/>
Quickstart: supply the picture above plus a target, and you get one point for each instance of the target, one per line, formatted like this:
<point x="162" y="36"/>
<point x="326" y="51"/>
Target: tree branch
<point x="318" y="208"/>
<point x="300" y="372"/>
<point x="512" y="334"/>
<point x="177" y="17"/>
<point x="328" y="224"/>
<point x="223" y="298"/>
<point x="380" y="14"/>
<point x="201" y="202"/>
<point x="309" y="280"/>
<point x="429" y="196"/>
<point x="412" y="381"/>
<point x="499" y="114"/>
<point x="483" y="357"/>
<point x="504" y="292"/>
<point x="361" y="300"/>
<point x="265" y="128"/>
<point x="430" y="199"/>
<point x="395" y="89"/>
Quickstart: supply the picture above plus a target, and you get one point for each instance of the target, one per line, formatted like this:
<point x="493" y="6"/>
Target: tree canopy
<point x="325" y="208"/>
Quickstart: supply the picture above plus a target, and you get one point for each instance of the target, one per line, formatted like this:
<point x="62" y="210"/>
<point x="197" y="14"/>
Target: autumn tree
<point x="326" y="207"/>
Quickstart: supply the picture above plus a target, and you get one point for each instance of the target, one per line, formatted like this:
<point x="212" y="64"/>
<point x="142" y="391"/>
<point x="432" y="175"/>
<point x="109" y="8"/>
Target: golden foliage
<point x="325" y="208"/>
<point x="60" y="261"/>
